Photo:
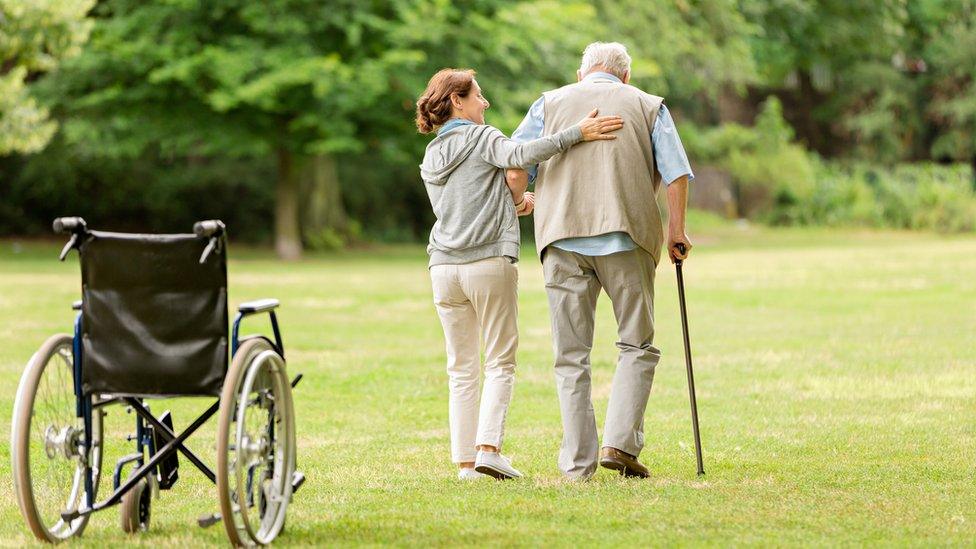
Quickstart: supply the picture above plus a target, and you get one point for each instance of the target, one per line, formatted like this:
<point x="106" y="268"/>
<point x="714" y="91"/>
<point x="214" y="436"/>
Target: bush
<point x="781" y="183"/>
<point x="909" y="196"/>
<point x="770" y="171"/>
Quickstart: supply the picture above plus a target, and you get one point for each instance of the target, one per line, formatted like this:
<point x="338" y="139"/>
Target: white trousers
<point x="478" y="303"/>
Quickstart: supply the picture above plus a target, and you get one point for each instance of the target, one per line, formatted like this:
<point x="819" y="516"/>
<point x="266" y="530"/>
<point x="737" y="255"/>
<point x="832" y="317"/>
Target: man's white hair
<point x="612" y="56"/>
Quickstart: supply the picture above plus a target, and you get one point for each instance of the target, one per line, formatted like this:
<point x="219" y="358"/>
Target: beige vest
<point x="599" y="187"/>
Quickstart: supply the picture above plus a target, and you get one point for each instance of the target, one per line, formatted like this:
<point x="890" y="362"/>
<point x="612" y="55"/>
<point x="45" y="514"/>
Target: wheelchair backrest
<point x="154" y="319"/>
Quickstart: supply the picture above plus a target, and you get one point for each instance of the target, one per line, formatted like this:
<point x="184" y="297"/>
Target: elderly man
<point x="597" y="225"/>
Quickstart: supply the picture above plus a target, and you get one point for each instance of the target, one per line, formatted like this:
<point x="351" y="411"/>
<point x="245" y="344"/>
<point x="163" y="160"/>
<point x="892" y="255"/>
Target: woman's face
<point x="473" y="106"/>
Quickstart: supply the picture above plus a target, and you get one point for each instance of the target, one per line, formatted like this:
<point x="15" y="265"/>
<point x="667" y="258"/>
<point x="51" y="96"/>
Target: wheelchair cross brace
<point x="172" y="446"/>
<point x="169" y="435"/>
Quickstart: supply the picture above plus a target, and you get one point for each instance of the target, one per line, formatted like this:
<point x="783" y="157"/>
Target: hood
<point x="446" y="152"/>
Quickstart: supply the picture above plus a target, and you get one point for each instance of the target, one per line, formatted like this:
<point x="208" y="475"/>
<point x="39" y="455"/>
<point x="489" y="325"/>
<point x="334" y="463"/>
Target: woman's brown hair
<point x="434" y="106"/>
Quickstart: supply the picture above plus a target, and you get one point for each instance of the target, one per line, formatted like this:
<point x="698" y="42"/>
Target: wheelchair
<point x="153" y="323"/>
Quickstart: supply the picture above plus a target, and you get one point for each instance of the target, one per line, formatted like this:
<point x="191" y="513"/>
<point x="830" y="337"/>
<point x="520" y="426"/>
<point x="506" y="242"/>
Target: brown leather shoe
<point x="612" y="458"/>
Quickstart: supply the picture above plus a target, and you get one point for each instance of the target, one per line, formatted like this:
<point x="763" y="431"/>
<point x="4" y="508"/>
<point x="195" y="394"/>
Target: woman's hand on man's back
<point x="596" y="127"/>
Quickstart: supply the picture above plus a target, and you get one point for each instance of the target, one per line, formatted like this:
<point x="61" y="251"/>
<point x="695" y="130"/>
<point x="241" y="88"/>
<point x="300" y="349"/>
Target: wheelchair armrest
<point x="258" y="306"/>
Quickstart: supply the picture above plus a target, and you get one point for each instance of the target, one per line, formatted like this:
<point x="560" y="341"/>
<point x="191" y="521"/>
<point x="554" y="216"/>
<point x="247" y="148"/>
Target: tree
<point x="830" y="61"/>
<point x="35" y="36"/>
<point x="950" y="63"/>
<point x="300" y="80"/>
<point x="686" y="51"/>
<point x="233" y="78"/>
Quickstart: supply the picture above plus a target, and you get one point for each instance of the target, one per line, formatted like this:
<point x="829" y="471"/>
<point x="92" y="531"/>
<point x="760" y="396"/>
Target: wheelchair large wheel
<point x="47" y="444"/>
<point x="255" y="445"/>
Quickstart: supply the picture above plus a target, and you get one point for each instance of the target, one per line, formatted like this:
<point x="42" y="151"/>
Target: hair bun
<point x="434" y="105"/>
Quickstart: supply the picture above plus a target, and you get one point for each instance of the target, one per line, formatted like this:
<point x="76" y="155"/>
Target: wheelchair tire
<point x="255" y="445"/>
<point x="136" y="508"/>
<point x="45" y="433"/>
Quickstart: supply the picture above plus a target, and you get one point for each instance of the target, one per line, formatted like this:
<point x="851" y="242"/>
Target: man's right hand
<point x="595" y="127"/>
<point x="528" y="204"/>
<point x="678" y="240"/>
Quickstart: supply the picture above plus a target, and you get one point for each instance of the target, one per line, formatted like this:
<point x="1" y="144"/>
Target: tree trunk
<point x="323" y="212"/>
<point x="972" y="164"/>
<point x="288" y="239"/>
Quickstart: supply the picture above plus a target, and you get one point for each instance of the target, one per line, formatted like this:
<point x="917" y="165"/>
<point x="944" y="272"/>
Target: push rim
<point x="262" y="453"/>
<point x="256" y="450"/>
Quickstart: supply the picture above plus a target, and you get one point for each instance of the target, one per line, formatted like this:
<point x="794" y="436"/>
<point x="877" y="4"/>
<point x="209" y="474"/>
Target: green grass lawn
<point x="836" y="376"/>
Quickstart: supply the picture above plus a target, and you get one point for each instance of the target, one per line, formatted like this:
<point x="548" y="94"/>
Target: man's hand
<point x="678" y="236"/>
<point x="528" y="204"/>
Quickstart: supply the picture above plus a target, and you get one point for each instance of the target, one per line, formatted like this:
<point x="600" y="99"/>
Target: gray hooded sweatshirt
<point x="464" y="173"/>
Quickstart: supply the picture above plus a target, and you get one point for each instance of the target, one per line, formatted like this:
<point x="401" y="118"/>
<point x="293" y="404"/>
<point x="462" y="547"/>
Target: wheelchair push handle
<point x="208" y="228"/>
<point x="76" y="226"/>
<point x="212" y="229"/>
<point x="64" y="225"/>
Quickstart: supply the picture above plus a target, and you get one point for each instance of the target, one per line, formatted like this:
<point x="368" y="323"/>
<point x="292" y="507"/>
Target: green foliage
<point x="913" y="196"/>
<point x="164" y="88"/>
<point x="952" y="53"/>
<point x="766" y="165"/>
<point x="144" y="194"/>
<point x="35" y="36"/>
<point x="689" y="51"/>
<point x="886" y="81"/>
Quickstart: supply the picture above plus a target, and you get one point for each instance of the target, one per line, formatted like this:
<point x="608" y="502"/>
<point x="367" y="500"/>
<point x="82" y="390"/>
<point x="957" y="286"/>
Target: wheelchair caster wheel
<point x="135" y="509"/>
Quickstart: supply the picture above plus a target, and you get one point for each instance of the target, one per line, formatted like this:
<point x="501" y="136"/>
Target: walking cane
<point x="691" y="375"/>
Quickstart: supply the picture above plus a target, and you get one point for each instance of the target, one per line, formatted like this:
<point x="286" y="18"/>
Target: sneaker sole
<point x="492" y="472"/>
<point x="615" y="465"/>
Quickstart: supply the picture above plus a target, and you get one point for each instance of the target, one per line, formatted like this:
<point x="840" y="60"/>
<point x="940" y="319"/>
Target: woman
<point x="473" y="248"/>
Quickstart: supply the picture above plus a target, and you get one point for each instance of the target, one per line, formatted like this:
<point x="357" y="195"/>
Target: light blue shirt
<point x="669" y="155"/>
<point x="453" y="123"/>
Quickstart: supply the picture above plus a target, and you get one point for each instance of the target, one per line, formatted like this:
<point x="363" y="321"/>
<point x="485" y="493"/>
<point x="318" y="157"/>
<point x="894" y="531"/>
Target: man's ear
<point x="579" y="76"/>
<point x="626" y="78"/>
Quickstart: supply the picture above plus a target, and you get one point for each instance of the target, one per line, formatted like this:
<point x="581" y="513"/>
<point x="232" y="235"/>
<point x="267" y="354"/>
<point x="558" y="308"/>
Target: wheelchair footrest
<point x="206" y="521"/>
<point x="69" y="516"/>
<point x="169" y="468"/>
<point x="297" y="479"/>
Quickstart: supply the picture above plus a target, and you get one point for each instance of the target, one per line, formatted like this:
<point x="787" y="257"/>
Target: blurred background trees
<point x="35" y="36"/>
<point x="293" y="120"/>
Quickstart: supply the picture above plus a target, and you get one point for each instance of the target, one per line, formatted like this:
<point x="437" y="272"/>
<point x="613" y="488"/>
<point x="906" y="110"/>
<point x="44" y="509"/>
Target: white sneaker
<point x="469" y="473"/>
<point x="496" y="465"/>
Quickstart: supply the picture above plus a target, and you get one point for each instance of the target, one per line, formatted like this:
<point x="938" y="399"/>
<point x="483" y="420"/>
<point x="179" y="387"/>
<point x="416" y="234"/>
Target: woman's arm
<point x="518" y="182"/>
<point x="503" y="152"/>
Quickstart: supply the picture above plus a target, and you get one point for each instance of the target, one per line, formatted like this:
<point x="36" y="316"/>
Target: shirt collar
<point x="453" y="123"/>
<point x="601" y="75"/>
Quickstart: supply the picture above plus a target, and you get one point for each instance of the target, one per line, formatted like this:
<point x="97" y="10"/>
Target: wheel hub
<point x="253" y="450"/>
<point x="62" y="442"/>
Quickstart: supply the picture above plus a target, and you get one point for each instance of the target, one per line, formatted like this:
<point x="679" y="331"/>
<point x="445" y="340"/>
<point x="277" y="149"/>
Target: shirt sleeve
<point x="531" y="128"/>
<point x="669" y="153"/>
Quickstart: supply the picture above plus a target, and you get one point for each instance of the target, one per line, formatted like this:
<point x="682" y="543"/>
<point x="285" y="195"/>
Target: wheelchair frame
<point x="157" y="443"/>
<point x="85" y="406"/>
